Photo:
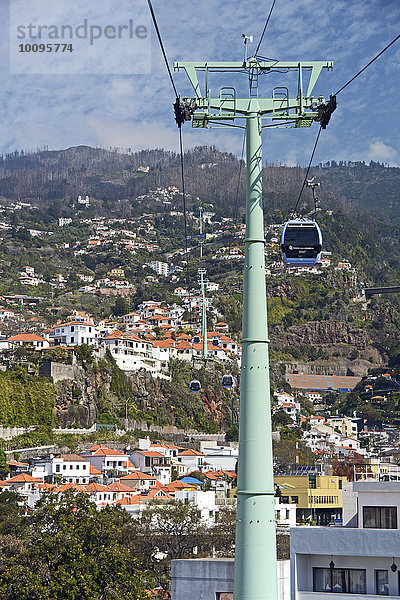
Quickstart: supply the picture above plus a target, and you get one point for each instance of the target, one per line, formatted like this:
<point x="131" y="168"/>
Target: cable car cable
<point x="184" y="207"/>
<point x="333" y="96"/>
<point x="153" y="16"/>
<point x="308" y="168"/>
<point x="265" y="27"/>
<point x="368" y="64"/>
<point x="180" y="118"/>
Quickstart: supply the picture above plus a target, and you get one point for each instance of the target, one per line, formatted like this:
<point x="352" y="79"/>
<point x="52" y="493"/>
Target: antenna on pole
<point x="246" y="40"/>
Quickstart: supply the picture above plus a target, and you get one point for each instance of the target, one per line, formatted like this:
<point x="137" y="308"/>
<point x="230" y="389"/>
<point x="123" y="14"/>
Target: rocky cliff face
<point x="79" y="399"/>
<point x="332" y="337"/>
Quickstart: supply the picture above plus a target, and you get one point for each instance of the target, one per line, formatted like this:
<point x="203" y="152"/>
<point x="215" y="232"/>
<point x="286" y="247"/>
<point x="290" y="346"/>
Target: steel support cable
<point x="368" y="64"/>
<point x="153" y="16"/>
<point x="338" y="92"/>
<point x="308" y="168"/>
<point x="265" y="27"/>
<point x="184" y="205"/>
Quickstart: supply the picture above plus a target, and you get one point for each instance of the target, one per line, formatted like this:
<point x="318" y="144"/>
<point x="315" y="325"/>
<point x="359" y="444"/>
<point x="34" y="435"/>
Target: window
<point x="382" y="582"/>
<point x="72" y="328"/>
<point x="380" y="517"/>
<point x="72" y="340"/>
<point x="284" y="499"/>
<point x="58" y="468"/>
<point x="224" y="596"/>
<point x="312" y="482"/>
<point x="294" y="499"/>
<point x="339" y="581"/>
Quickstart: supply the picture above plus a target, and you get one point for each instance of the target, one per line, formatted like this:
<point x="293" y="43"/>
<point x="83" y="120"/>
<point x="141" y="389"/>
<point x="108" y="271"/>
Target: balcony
<point x="329" y="596"/>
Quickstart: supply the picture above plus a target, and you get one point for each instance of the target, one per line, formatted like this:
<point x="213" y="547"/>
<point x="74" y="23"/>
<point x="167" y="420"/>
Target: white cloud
<point x="379" y="151"/>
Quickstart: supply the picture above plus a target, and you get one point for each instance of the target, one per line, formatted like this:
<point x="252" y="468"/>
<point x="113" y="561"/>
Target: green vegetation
<point x="66" y="550"/>
<point x="25" y="399"/>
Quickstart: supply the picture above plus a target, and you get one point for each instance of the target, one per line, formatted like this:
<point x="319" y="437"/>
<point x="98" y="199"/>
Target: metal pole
<point x="203" y="314"/>
<point x="255" y="575"/>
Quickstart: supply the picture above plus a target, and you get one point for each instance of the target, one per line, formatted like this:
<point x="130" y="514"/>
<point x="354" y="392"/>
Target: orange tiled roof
<point x="179" y="485"/>
<point x="191" y="452"/>
<point x="117" y="486"/>
<point x="72" y="458"/>
<point x="26" y="337"/>
<point x="96" y="487"/>
<point x="24" y="478"/>
<point x="69" y="486"/>
<point x="108" y="452"/>
<point x="137" y="475"/>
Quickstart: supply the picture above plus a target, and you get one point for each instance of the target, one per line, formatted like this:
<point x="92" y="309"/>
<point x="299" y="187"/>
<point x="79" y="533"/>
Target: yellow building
<point x="118" y="272"/>
<point x="318" y="497"/>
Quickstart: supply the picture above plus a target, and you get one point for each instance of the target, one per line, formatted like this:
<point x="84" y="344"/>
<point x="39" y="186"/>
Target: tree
<point x="165" y="532"/>
<point x="4" y="468"/>
<point x="281" y="418"/>
<point x="70" y="552"/>
<point x="120" y="307"/>
<point x="345" y="468"/>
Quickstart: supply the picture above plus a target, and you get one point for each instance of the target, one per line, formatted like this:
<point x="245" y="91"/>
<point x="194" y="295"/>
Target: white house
<point x="31" y="339"/>
<point x="131" y="318"/>
<point x="193" y="459"/>
<point x="65" y="468"/>
<point x="131" y="352"/>
<point x="203" y="501"/>
<point x="73" y="333"/>
<point x="105" y="459"/>
<point x="363" y="561"/>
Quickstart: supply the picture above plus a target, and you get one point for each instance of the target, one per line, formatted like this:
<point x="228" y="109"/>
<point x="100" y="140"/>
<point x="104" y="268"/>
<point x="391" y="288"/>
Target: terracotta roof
<point x="129" y="501"/>
<point x="26" y="337"/>
<point x="167" y="446"/>
<point x="137" y="475"/>
<point x="24" y="478"/>
<point x="74" y="323"/>
<point x="69" y="486"/>
<point x="94" y="471"/>
<point x="108" y="452"/>
<point x="179" y="485"/>
<point x="96" y="487"/>
<point x="117" y="486"/>
<point x="72" y="458"/>
<point x="191" y="452"/>
<point x="16" y="463"/>
<point x="150" y="453"/>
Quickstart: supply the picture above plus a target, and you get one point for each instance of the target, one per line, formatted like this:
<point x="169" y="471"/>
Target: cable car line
<point x="153" y="16"/>
<point x="182" y="113"/>
<point x="265" y="27"/>
<point x="308" y="168"/>
<point x="368" y="64"/>
<point x="334" y="96"/>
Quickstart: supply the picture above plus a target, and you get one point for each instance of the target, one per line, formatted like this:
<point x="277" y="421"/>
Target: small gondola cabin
<point x="301" y="242"/>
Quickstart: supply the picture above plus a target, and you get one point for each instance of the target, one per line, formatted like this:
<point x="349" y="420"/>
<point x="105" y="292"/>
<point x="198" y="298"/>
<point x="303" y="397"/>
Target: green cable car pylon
<point x="255" y="575"/>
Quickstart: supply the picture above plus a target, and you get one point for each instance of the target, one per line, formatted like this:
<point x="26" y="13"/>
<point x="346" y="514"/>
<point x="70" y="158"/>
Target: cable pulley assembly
<point x="183" y="110"/>
<point x="325" y="111"/>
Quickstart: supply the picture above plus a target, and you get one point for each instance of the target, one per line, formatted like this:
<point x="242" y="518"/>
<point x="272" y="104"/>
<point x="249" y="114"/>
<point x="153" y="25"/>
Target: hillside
<point x="132" y="218"/>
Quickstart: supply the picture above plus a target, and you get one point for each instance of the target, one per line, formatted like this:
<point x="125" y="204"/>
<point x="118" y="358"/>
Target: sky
<point x="66" y="108"/>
